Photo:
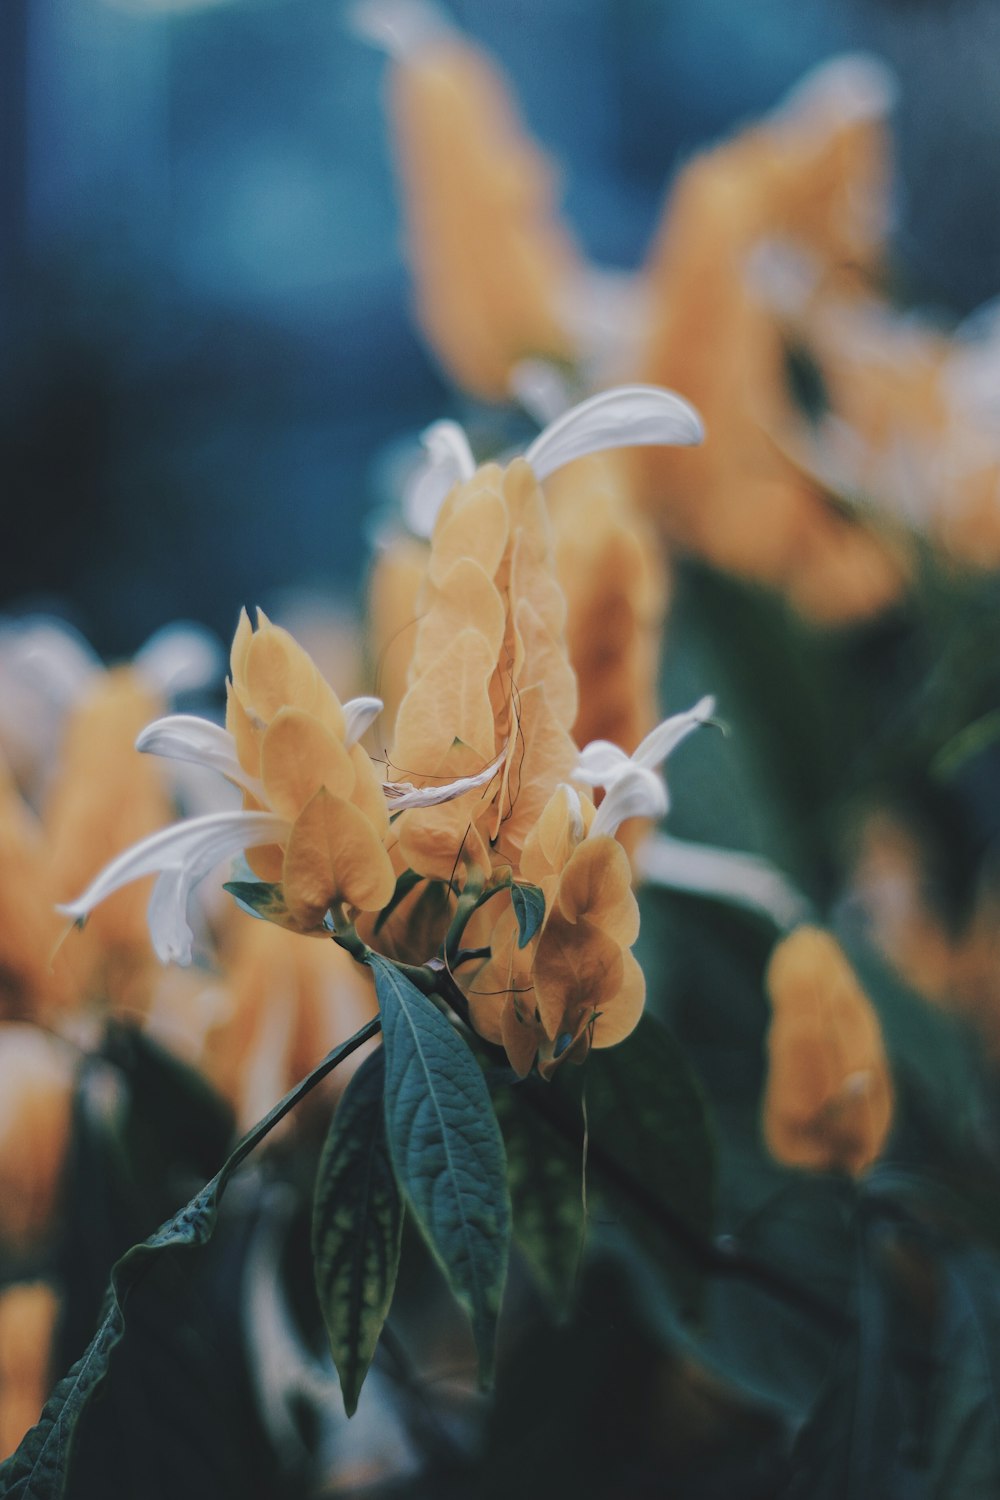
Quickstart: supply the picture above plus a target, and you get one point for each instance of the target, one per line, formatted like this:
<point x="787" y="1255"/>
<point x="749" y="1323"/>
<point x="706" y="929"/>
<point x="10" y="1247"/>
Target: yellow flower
<point x="828" y="1103"/>
<point x="488" y="256"/>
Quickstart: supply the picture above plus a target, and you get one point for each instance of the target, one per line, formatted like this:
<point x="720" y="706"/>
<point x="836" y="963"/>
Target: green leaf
<point x="546" y="1188"/>
<point x="651" y="1149"/>
<point x="446" y="1148"/>
<point x="529" y="908"/>
<point x="357" y="1226"/>
<point x="404" y="885"/>
<point x="264" y="901"/>
<point x="39" y="1469"/>
<point x="964" y="1401"/>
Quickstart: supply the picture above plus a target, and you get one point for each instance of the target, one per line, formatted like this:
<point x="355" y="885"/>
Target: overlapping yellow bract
<point x="487" y="254"/>
<point x="575" y="984"/>
<point x="290" y="734"/>
<point x="490" y="680"/>
<point x="37" y="1073"/>
<point x="828" y="1103"/>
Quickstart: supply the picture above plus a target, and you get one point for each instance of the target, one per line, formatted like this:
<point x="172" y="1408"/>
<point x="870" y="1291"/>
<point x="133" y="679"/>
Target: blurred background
<point x="205" y="339"/>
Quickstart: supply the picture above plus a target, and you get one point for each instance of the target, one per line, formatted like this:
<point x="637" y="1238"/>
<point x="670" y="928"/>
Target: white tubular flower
<point x="181" y="856"/>
<point x="630" y="416"/>
<point x="727" y="875"/>
<point x="632" y="787"/>
<point x="403" y="794"/>
<point x="201" y="743"/>
<point x="180" y="658"/>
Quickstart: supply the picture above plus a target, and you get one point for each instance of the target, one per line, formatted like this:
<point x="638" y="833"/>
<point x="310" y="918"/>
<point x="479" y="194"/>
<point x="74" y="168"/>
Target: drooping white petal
<point x="180" y="658"/>
<point x="358" y="714"/>
<point x="629" y="416"/>
<point x="727" y="875"/>
<point x="449" y="461"/>
<point x="403" y="794"/>
<point x="600" y="763"/>
<point x="398" y="27"/>
<point x="635" y="793"/>
<point x="187" y="737"/>
<point x="658" y="744"/>
<point x="181" y="855"/>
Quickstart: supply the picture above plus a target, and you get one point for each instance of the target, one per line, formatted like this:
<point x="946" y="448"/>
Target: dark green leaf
<point x="446" y="1148"/>
<point x="529" y="908"/>
<point x="262" y="900"/>
<point x="546" y="1188"/>
<point x="964" y="1409"/>
<point x="357" y="1224"/>
<point x="404" y="885"/>
<point x="39" y="1469"/>
<point x="651" y="1152"/>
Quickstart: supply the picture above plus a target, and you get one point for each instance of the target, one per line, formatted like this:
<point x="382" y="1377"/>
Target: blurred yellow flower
<point x="828" y="1101"/>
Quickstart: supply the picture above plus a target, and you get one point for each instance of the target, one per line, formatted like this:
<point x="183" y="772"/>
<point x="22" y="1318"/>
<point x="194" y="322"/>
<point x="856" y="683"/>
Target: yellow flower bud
<point x="828" y="1101"/>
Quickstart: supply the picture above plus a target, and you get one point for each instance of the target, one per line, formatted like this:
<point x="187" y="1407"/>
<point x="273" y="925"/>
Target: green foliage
<point x="40" y="1468"/>
<point x="529" y="908"/>
<point x="546" y="1187"/>
<point x="446" y="1149"/>
<point x="262" y="900"/>
<point x="357" y="1227"/>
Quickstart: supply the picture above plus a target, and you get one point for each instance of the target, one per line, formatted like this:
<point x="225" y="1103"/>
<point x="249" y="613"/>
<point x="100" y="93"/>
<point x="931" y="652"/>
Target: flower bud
<point x="828" y="1101"/>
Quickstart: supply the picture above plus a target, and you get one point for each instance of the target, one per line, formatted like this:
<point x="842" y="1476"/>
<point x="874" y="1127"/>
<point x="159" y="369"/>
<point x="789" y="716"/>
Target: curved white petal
<point x="575" y="808"/>
<point x="629" y="416"/>
<point x="187" y="737"/>
<point x="852" y="87"/>
<point x="181" y="855"/>
<point x="727" y="875"/>
<point x="636" y="793"/>
<point x="399" y="27"/>
<point x="449" y="461"/>
<point x="51" y="656"/>
<point x="601" y="763"/>
<point x="658" y="744"/>
<point x="403" y="794"/>
<point x="180" y="658"/>
<point x="358" y="714"/>
<point x="541" y="388"/>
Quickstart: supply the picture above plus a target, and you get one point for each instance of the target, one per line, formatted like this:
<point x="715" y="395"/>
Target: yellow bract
<point x="488" y="677"/>
<point x="488" y="257"/>
<point x="289" y="728"/>
<point x="828" y="1103"/>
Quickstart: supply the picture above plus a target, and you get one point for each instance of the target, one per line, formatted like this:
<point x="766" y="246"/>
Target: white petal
<point x="449" y="461"/>
<point x="572" y="796"/>
<point x="180" y="658"/>
<point x="52" y="656"/>
<point x="658" y="744"/>
<point x="358" y="714"/>
<point x="737" y="878"/>
<point x="601" y="763"/>
<point x="403" y="794"/>
<point x="636" y="793"/>
<point x="187" y="737"/>
<point x="541" y="388"/>
<point x="399" y="27"/>
<point x="855" y="86"/>
<point x="627" y="417"/>
<point x="186" y="852"/>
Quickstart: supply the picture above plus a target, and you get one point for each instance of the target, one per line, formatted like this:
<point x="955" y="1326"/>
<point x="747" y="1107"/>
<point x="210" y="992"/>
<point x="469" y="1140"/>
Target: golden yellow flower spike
<point x="489" y="258"/>
<point x="828" y="1101"/>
